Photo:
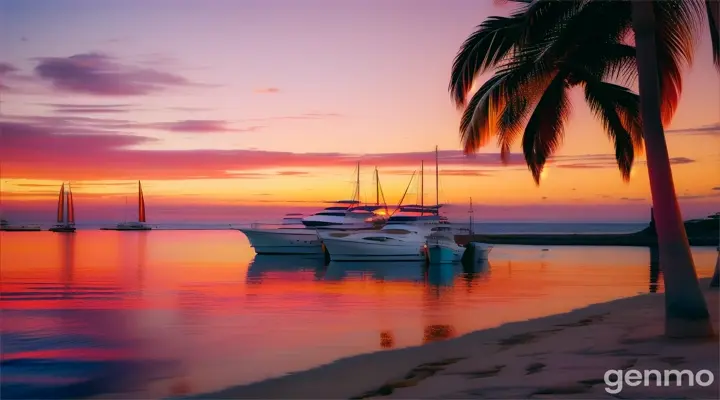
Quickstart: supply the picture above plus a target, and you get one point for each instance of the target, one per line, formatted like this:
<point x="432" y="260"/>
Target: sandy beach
<point x="560" y="356"/>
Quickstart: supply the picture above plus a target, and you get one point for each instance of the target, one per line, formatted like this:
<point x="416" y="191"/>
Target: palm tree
<point x="547" y="47"/>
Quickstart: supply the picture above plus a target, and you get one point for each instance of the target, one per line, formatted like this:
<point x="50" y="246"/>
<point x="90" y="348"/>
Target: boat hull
<point x="62" y="229"/>
<point x="350" y="250"/>
<point x="444" y="255"/>
<point x="283" y="241"/>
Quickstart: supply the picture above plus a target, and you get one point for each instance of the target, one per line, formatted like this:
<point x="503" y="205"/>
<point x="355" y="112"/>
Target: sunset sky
<point x="226" y="108"/>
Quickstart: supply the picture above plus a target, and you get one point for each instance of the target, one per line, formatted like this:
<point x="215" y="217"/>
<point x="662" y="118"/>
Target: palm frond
<point x="485" y="48"/>
<point x="498" y="38"/>
<point x="478" y="121"/>
<point x="545" y="128"/>
<point x="677" y="22"/>
<point x="618" y="109"/>
<point x="713" y="15"/>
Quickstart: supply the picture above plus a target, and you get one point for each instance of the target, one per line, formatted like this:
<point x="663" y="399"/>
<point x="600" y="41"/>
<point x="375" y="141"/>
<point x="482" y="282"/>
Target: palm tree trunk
<point x="686" y="313"/>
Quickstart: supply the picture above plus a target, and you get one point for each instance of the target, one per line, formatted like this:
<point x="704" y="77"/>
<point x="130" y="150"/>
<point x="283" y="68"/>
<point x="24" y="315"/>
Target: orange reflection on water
<point x="201" y="301"/>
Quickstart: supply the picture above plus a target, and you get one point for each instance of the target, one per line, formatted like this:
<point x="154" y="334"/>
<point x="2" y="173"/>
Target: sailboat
<point x="65" y="211"/>
<point x="138" y="225"/>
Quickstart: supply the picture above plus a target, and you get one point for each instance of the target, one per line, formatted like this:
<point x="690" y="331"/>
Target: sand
<point x="561" y="356"/>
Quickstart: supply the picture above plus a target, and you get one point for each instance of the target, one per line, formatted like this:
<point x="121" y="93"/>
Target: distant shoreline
<point x="590" y="338"/>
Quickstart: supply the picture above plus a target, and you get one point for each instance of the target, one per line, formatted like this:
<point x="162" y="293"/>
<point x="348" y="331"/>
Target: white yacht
<point x="401" y="239"/>
<point x="292" y="237"/>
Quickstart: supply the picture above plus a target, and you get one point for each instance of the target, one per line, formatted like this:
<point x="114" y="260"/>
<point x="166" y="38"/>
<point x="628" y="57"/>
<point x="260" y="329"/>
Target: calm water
<point x="153" y="314"/>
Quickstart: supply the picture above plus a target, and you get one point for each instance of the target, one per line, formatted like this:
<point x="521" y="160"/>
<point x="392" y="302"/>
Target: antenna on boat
<point x="422" y="187"/>
<point x="470" y="212"/>
<point x="357" y="183"/>
<point x="377" y="187"/>
<point x="437" y="182"/>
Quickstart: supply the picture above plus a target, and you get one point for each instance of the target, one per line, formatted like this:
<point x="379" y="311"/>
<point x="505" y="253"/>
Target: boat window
<point x="337" y="214"/>
<point x="397" y="231"/>
<point x="377" y="238"/>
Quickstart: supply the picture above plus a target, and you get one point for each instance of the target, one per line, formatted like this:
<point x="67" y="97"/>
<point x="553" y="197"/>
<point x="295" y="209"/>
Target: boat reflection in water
<point x="264" y="263"/>
<point x="413" y="271"/>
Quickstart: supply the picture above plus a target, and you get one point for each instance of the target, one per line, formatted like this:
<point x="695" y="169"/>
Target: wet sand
<point x="560" y="356"/>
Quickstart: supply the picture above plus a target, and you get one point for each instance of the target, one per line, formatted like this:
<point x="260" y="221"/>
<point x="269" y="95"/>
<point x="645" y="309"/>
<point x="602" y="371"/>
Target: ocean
<point x="136" y="315"/>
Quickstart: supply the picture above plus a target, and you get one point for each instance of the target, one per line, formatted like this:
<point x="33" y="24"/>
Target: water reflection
<point x="387" y="340"/>
<point x="67" y="256"/>
<point x="263" y="264"/>
<point x="74" y="324"/>
<point x="654" y="269"/>
<point x="411" y="271"/>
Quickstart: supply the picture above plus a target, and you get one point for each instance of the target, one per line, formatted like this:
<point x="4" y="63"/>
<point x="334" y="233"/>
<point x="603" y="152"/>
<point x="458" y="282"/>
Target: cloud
<point x="716" y="188"/>
<point x="711" y="129"/>
<point x="99" y="74"/>
<point x="443" y="172"/>
<point x="292" y="173"/>
<point x="6" y="68"/>
<point x="698" y="196"/>
<point x="83" y="151"/>
<point x="299" y="117"/>
<point x="197" y="126"/>
<point x="267" y="90"/>
<point x="597" y="161"/>
<point x="90" y="108"/>
<point x="632" y="198"/>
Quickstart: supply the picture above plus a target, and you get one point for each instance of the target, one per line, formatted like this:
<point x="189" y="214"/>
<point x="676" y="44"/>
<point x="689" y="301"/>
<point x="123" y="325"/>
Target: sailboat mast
<point x="357" y="183"/>
<point x="422" y="187"/>
<point x="471" y="217"/>
<point x="125" y="210"/>
<point x="67" y="206"/>
<point x="377" y="188"/>
<point x="437" y="181"/>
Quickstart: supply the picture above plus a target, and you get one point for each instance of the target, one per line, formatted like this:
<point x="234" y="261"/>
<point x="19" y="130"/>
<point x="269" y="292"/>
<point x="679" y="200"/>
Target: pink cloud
<point x="267" y="90"/>
<point x="83" y="152"/>
<point x="99" y="74"/>
<point x="199" y="126"/>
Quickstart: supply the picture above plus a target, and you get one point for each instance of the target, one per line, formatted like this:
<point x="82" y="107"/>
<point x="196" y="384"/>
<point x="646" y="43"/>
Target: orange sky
<point x="216" y="107"/>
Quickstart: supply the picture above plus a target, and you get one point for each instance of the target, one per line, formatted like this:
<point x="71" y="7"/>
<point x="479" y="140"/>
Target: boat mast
<point x="377" y="187"/>
<point x="471" y="218"/>
<point x="357" y="183"/>
<point x="437" y="182"/>
<point x="422" y="187"/>
<point x="125" y="210"/>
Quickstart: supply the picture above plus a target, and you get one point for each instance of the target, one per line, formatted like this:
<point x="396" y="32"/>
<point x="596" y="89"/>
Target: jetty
<point x="701" y="232"/>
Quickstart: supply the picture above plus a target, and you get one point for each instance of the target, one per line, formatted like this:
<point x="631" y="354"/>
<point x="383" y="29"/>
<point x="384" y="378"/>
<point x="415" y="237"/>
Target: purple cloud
<point x="198" y="126"/>
<point x="711" y="129"/>
<point x="99" y="74"/>
<point x="90" y="108"/>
